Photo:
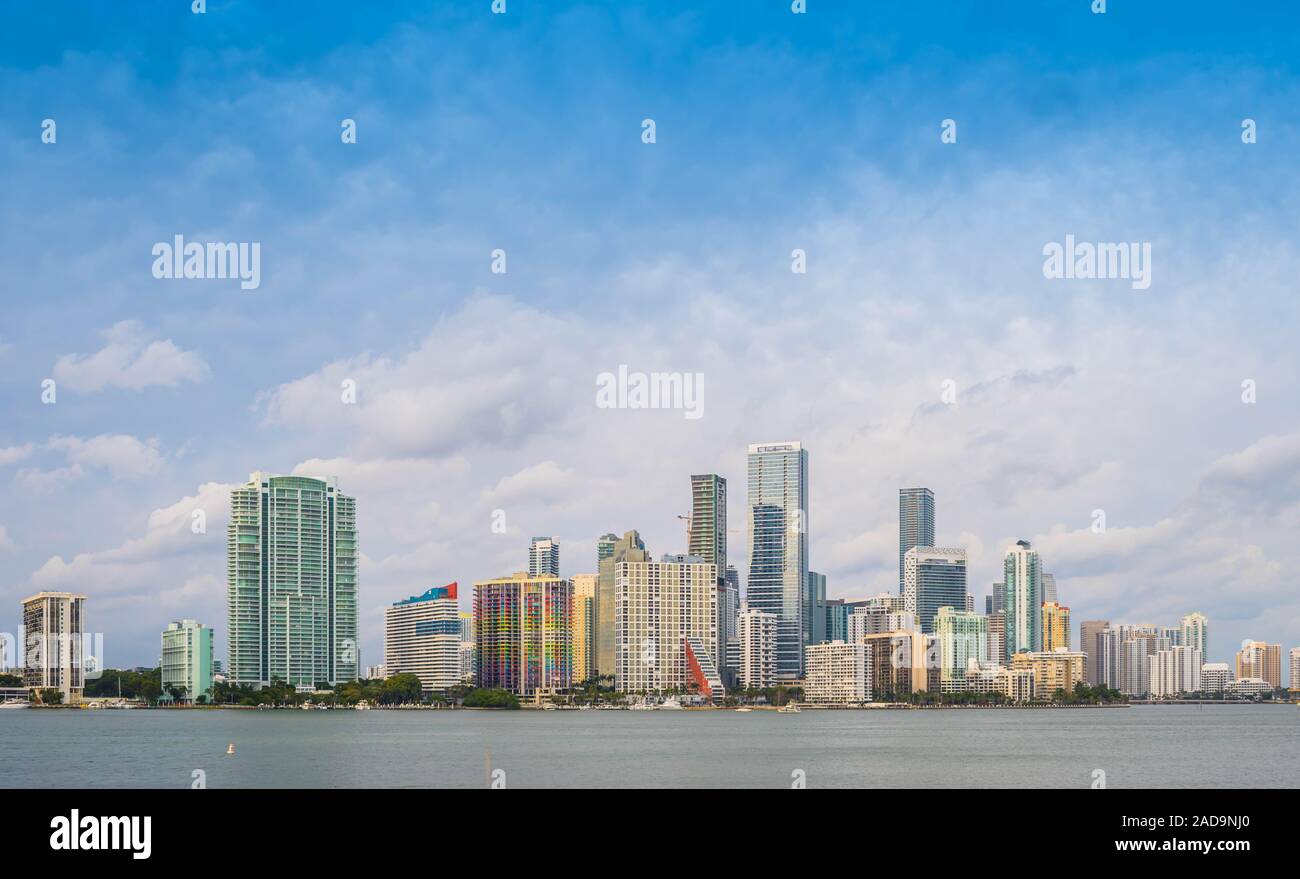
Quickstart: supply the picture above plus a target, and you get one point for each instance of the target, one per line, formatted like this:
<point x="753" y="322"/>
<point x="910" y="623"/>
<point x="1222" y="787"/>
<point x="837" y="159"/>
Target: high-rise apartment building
<point x="658" y="607"/>
<point x="708" y="524"/>
<point x="997" y="624"/>
<point x="756" y="653"/>
<point x="915" y="523"/>
<point x="544" y="557"/>
<point x="423" y="635"/>
<point x="836" y="674"/>
<point x="187" y="660"/>
<point x="1195" y="632"/>
<point x="963" y="639"/>
<point x="778" y="553"/>
<point x="1090" y="647"/>
<point x="933" y="577"/>
<point x="53" y="655"/>
<point x="1049" y="589"/>
<point x="523" y="633"/>
<point x="814" y="609"/>
<point x="1058" y="670"/>
<point x="605" y="547"/>
<point x="1022" y="575"/>
<point x="1258" y="659"/>
<point x="1215" y="677"/>
<point x="291" y="582"/>
<point x="1055" y="627"/>
<point x="584" y="626"/>
<point x="468" y="663"/>
<point x="627" y="548"/>
<point x="1295" y="671"/>
<point x="1175" y="671"/>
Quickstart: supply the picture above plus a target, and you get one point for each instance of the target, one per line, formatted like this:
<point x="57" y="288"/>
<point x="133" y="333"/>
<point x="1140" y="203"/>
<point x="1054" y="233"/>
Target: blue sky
<point x="774" y="131"/>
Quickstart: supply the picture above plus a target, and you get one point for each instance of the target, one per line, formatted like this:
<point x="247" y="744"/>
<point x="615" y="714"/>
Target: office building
<point x="814" y="609"/>
<point x="53" y="655"/>
<point x="836" y="674"/>
<point x="186" y="660"/>
<point x="1089" y="645"/>
<point x="933" y="577"/>
<point x="1049" y="589"/>
<point x="1023" y="578"/>
<point x="915" y="524"/>
<point x="291" y="582"/>
<point x="422" y="636"/>
<point x="544" y="557"/>
<point x="523" y="634"/>
<point x="778" y="535"/>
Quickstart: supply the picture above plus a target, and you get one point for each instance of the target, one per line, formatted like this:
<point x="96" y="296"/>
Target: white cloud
<point x="14" y="454"/>
<point x="6" y="542"/>
<point x="129" y="360"/>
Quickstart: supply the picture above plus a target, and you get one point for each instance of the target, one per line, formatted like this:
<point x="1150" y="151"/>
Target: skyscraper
<point x="291" y="581"/>
<point x="1049" y="589"/>
<point x="1258" y="659"/>
<point x="51" y="653"/>
<point x="1089" y="633"/>
<point x="584" y="626"/>
<point x="544" y="557"/>
<point x="933" y="577"/>
<point x="186" y="659"/>
<point x="1024" y="588"/>
<point x="814" y="609"/>
<point x="1195" y="632"/>
<point x="523" y="633"/>
<point x="605" y="547"/>
<point x="915" y="523"/>
<point x="423" y="636"/>
<point x="659" y="606"/>
<point x="709" y="520"/>
<point x="628" y="547"/>
<point x="1056" y="628"/>
<point x="778" y="552"/>
<point x="962" y="638"/>
<point x="756" y="650"/>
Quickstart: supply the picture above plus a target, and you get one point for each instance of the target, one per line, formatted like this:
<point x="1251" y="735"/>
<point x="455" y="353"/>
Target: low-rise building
<point x="1057" y="670"/>
<point x="187" y="660"/>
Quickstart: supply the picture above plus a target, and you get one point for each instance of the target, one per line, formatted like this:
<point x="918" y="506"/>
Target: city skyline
<point x="922" y="345"/>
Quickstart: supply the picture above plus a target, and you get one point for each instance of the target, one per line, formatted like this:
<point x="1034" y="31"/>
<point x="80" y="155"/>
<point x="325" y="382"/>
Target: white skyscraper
<point x="1195" y="632"/>
<point x="423" y="637"/>
<point x="778" y="551"/>
<point x="659" y="607"/>
<point x="756" y="661"/>
<point x="544" y="557"/>
<point x="1175" y="671"/>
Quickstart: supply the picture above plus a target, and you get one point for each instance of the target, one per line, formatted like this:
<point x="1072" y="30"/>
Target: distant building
<point x="422" y="636"/>
<point x="1059" y="670"/>
<point x="468" y="664"/>
<point x="628" y="548"/>
<point x="962" y="637"/>
<point x="837" y="620"/>
<point x="1295" y="671"/>
<point x="53" y="655"/>
<point x="291" y="561"/>
<point x="1049" y="589"/>
<point x="584" y="626"/>
<point x="1024" y="589"/>
<point x="997" y="625"/>
<point x="605" y="547"/>
<point x="544" y="557"/>
<point x="756" y="649"/>
<point x="1089" y="632"/>
<point x="915" y="524"/>
<point x="1257" y="659"/>
<point x="1056" y="627"/>
<point x="778" y="534"/>
<point x="1195" y="632"/>
<point x="523" y="634"/>
<point x="187" y="659"/>
<point x="836" y="674"/>
<point x="376" y="673"/>
<point x="1215" y="677"/>
<point x="658" y="606"/>
<point x="1248" y="688"/>
<point x="1175" y="672"/>
<point x="814" y="609"/>
<point x="933" y="577"/>
<point x="900" y="663"/>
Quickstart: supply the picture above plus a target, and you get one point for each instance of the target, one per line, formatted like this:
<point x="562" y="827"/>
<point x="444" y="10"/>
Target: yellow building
<point x="900" y="663"/>
<point x="584" y="626"/>
<point x="1256" y="659"/>
<point x="1056" y="627"/>
<point x="1057" y="670"/>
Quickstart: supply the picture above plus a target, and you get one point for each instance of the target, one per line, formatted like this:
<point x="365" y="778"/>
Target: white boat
<point x="640" y="706"/>
<point x="672" y="703"/>
<point x="15" y="704"/>
<point x="230" y="750"/>
<point x="789" y="708"/>
<point x="744" y="710"/>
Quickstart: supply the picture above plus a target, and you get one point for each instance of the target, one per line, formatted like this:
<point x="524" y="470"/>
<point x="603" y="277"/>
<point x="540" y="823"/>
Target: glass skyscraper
<point x="544" y="557"/>
<point x="778" y="554"/>
<point x="933" y="577"/>
<point x="915" y="523"/>
<point x="291" y="582"/>
<point x="1022" y="574"/>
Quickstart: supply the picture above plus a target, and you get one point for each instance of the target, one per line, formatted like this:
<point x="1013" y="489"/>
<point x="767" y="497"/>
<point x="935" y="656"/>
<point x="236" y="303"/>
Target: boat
<point x="363" y="705"/>
<point x="230" y="750"/>
<point x="640" y="706"/>
<point x="672" y="703"/>
<point x="789" y="708"/>
<point x="744" y="710"/>
<point x="15" y="703"/>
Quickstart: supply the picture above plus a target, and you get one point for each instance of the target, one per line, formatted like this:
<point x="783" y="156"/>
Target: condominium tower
<point x="52" y="655"/>
<point x="933" y="577"/>
<point x="1024" y="588"/>
<point x="523" y="634"/>
<point x="666" y="625"/>
<point x="423" y="637"/>
<point x="915" y="523"/>
<point x="186" y="659"/>
<point x="544" y="557"/>
<point x="291" y="582"/>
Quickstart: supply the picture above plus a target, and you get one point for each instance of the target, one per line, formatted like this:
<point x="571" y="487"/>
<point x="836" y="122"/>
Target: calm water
<point x="1185" y="746"/>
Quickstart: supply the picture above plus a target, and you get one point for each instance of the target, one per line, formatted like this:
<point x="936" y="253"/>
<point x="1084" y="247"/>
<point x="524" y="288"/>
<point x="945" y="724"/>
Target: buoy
<point x="230" y="749"/>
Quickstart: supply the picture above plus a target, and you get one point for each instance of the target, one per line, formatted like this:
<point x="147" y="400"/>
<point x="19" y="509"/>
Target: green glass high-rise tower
<point x="291" y="582"/>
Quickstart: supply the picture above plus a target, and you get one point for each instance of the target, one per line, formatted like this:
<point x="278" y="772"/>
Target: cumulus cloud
<point x="130" y="360"/>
